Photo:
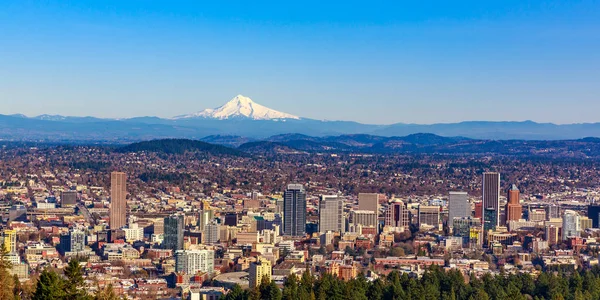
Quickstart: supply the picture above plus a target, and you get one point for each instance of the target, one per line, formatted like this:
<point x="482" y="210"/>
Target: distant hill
<point x="264" y="147"/>
<point x="232" y="141"/>
<point x="178" y="146"/>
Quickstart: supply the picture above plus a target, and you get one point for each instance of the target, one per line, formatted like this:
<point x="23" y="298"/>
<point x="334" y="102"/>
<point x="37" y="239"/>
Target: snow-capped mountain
<point x="240" y="107"/>
<point x="51" y="117"/>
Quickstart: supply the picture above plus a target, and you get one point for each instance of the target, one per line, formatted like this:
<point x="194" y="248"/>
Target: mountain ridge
<point x="243" y="117"/>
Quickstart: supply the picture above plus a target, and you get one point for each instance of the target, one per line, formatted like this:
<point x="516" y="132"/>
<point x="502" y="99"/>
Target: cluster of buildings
<point x="235" y="238"/>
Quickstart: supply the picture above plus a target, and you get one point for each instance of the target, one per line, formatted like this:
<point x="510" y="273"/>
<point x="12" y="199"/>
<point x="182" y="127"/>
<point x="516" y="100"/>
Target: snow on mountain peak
<point x="240" y="107"/>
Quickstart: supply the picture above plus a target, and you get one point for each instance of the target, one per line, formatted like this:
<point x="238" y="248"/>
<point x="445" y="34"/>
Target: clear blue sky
<point x="369" y="61"/>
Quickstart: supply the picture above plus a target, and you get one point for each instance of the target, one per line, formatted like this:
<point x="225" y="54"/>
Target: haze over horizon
<point x="381" y="63"/>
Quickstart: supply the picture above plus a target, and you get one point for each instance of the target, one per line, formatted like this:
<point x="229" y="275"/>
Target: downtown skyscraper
<point x="294" y="210"/>
<point x="173" y="235"/>
<point x="118" y="202"/>
<point x="491" y="199"/>
<point x="514" y="210"/>
<point x="458" y="207"/>
<point x="331" y="214"/>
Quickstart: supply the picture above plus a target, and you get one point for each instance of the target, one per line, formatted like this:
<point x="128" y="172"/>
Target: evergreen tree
<point x="6" y="281"/>
<point x="49" y="287"/>
<point x="74" y="285"/>
<point x="290" y="288"/>
<point x="107" y="293"/>
<point x="236" y="293"/>
<point x="17" y="288"/>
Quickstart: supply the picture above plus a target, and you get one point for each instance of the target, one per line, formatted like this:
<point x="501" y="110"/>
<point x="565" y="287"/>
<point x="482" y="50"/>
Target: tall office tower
<point x="594" y="214"/>
<point x="231" y="219"/>
<point x="10" y="240"/>
<point x="553" y="212"/>
<point x="537" y="215"/>
<point x="368" y="201"/>
<point x="258" y="270"/>
<point x="479" y="210"/>
<point x="570" y="227"/>
<point x="396" y="216"/>
<point x="17" y="213"/>
<point x="294" y="210"/>
<point x="363" y="217"/>
<point x="211" y="232"/>
<point x="280" y="204"/>
<point x="491" y="195"/>
<point x="193" y="261"/>
<point x="463" y="226"/>
<point x="585" y="223"/>
<point x="331" y="214"/>
<point x="68" y="198"/>
<point x="458" y="207"/>
<point x="159" y="226"/>
<point x="429" y="215"/>
<point x="173" y="235"/>
<point x="552" y="235"/>
<point x="490" y="220"/>
<point x="73" y="241"/>
<point x="118" y="203"/>
<point x="514" y="210"/>
<point x="204" y="217"/>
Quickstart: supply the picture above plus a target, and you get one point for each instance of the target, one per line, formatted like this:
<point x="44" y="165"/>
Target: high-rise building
<point x="72" y="241"/>
<point x="118" y="202"/>
<point x="258" y="270"/>
<point x="204" y="217"/>
<point x="571" y="224"/>
<point x="489" y="219"/>
<point x="396" y="216"/>
<point x="68" y="198"/>
<point x="594" y="214"/>
<point x="553" y="212"/>
<point x="231" y="219"/>
<point x="514" y="210"/>
<point x="331" y="214"/>
<point x="10" y="240"/>
<point x="537" y="215"/>
<point x="173" y="235"/>
<point x="429" y="216"/>
<point x="364" y="218"/>
<point x="585" y="223"/>
<point x="133" y="232"/>
<point x="491" y="196"/>
<point x="368" y="201"/>
<point x="211" y="232"/>
<point x="17" y="213"/>
<point x="479" y="210"/>
<point x="193" y="261"/>
<point x="552" y="235"/>
<point x="462" y="227"/>
<point x="458" y="206"/>
<point x="294" y="211"/>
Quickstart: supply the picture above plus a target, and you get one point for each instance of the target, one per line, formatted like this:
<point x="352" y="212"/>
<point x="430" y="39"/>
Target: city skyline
<point x="376" y="64"/>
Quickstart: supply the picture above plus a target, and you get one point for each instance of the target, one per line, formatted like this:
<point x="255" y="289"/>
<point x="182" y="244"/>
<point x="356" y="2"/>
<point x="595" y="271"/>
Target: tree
<point x="75" y="287"/>
<point x="49" y="287"/>
<point x="17" y="288"/>
<point x="269" y="290"/>
<point x="107" y="293"/>
<point x="290" y="287"/>
<point x="6" y="281"/>
<point x="236" y="293"/>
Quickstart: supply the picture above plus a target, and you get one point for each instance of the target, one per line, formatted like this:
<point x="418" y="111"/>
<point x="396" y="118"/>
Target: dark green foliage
<point x="74" y="284"/>
<point x="49" y="287"/>
<point x="178" y="146"/>
<point x="434" y="284"/>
